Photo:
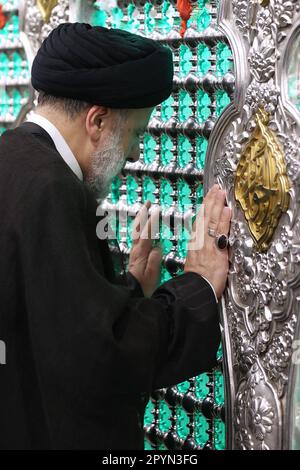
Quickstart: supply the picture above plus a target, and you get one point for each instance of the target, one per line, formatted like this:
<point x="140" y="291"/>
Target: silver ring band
<point x="211" y="232"/>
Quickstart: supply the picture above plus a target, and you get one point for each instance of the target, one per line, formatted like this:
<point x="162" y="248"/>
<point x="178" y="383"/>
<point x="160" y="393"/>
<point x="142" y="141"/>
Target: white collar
<point x="61" y="145"/>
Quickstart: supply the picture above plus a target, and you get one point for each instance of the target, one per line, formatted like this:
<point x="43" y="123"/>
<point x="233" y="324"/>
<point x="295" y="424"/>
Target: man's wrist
<point x="134" y="285"/>
<point x="208" y="282"/>
<point x="211" y="287"/>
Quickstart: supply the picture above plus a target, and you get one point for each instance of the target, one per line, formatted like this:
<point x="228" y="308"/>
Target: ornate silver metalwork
<point x="260" y="310"/>
<point x="33" y="30"/>
<point x="33" y="26"/>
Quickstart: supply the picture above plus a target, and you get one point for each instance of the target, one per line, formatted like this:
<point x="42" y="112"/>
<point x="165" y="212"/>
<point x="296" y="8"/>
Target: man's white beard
<point x="105" y="165"/>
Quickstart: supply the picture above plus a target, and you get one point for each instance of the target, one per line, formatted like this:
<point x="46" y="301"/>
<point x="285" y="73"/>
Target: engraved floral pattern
<point x="261" y="305"/>
<point x="262" y="417"/>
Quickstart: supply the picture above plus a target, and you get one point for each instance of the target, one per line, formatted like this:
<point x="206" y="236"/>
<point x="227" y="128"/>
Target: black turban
<point x="108" y="67"/>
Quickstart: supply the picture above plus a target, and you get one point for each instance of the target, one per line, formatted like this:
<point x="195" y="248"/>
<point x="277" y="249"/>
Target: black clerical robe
<point x="82" y="351"/>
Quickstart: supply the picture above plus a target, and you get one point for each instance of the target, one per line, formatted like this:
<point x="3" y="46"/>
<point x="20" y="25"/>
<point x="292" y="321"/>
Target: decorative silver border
<point x="258" y="37"/>
<point x="294" y="115"/>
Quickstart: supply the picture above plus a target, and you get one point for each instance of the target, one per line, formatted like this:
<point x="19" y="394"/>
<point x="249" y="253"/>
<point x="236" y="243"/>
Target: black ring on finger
<point x="222" y="241"/>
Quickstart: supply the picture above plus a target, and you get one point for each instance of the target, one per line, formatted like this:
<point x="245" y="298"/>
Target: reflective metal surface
<point x="260" y="311"/>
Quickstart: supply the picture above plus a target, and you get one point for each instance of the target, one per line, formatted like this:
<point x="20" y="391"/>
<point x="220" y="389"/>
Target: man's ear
<point x="96" y="121"/>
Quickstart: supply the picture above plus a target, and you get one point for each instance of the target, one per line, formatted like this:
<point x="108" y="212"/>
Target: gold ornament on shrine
<point x="264" y="3"/>
<point x="261" y="183"/>
<point x="46" y="7"/>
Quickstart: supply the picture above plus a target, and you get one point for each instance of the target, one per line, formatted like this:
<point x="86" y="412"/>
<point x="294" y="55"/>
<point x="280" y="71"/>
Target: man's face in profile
<point x="121" y="144"/>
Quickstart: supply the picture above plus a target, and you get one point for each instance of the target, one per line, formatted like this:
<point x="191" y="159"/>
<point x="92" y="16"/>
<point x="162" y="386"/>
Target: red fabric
<point x="3" y="18"/>
<point x="185" y="9"/>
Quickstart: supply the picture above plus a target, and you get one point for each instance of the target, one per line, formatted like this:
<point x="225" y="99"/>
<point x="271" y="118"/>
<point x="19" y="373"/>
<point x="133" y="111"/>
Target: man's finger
<point x="150" y="230"/>
<point x="197" y="235"/>
<point x="140" y="222"/>
<point x="209" y="199"/>
<point x="224" y="224"/>
<point x="208" y="202"/>
<point x="154" y="260"/>
<point x="212" y="214"/>
<point x="211" y="193"/>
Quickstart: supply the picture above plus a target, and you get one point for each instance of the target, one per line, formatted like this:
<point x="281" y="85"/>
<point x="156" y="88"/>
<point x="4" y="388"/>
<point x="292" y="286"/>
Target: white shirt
<point x="66" y="153"/>
<point x="61" y="145"/>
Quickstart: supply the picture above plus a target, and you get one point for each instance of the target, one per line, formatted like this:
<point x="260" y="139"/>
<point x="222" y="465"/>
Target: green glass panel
<point x="132" y="187"/>
<point x="184" y="193"/>
<point x="202" y="3"/>
<point x="185" y="106"/>
<point x="201" y="428"/>
<point x="184" y="151"/>
<point x="203" y="106"/>
<point x="129" y="233"/>
<point x="154" y="113"/>
<point x="219" y="434"/>
<point x="183" y="386"/>
<point x="182" y="244"/>
<point x="17" y="64"/>
<point x="201" y="389"/>
<point x="148" y="190"/>
<point x="115" y="227"/>
<point x="167" y="148"/>
<point x="203" y="19"/>
<point x="199" y="194"/>
<point x="222" y="101"/>
<point x="167" y="14"/>
<point x="167" y="109"/>
<point x="164" y="275"/>
<point x="15" y="25"/>
<point x="223" y="59"/>
<point x="201" y="148"/>
<point x="99" y="18"/>
<point x="4" y="64"/>
<point x="16" y="96"/>
<point x="148" y="416"/>
<point x="165" y="239"/>
<point x="219" y="388"/>
<point x="149" y="149"/>
<point x="115" y="189"/>
<point x="133" y="23"/>
<point x="116" y="17"/>
<point x="147" y="445"/>
<point x="164" y="416"/>
<point x="4" y="100"/>
<point x="166" y="194"/>
<point x="182" y="422"/>
<point x="161" y="446"/>
<point x="203" y="62"/>
<point x="149" y="18"/>
<point x="185" y="59"/>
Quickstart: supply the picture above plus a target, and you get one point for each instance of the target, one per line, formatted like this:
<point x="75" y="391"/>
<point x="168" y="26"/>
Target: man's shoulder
<point x="23" y="154"/>
<point x="58" y="183"/>
<point x="29" y="163"/>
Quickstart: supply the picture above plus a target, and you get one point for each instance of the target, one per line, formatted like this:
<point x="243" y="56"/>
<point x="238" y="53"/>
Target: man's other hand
<point x="204" y="257"/>
<point x="144" y="259"/>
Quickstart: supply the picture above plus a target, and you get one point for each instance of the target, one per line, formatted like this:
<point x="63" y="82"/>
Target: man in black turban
<point x="108" y="67"/>
<point x="85" y="347"/>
